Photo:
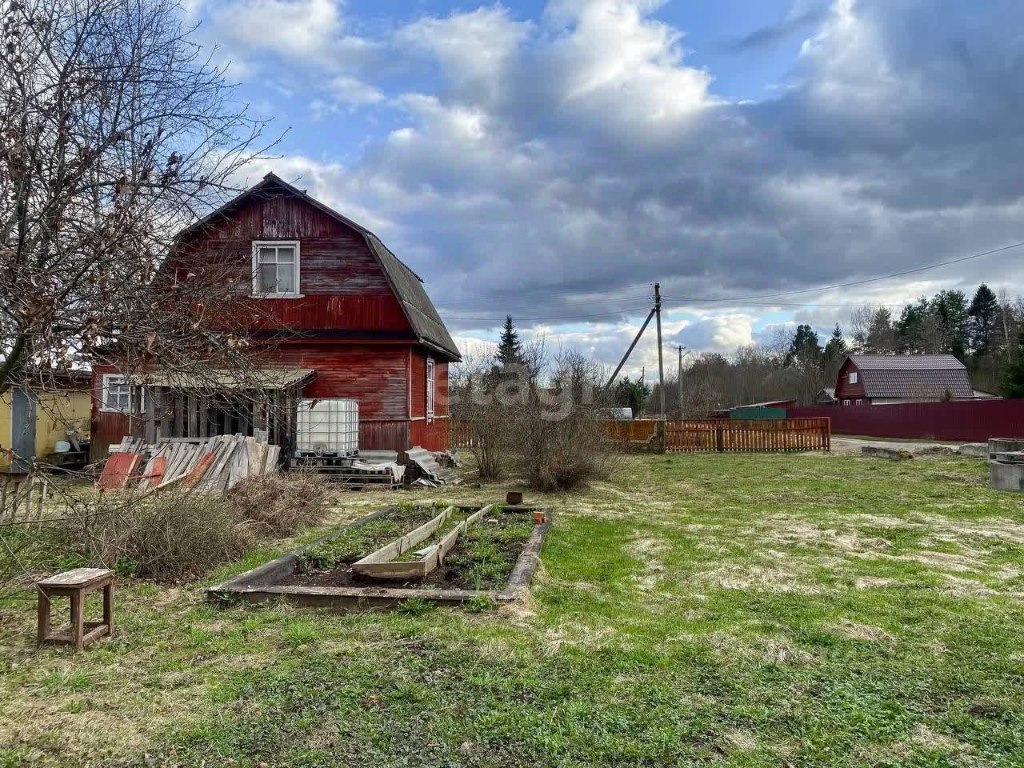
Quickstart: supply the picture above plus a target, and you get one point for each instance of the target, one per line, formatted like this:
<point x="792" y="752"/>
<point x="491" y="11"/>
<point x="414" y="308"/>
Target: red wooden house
<point x="889" y="379"/>
<point x="353" y="322"/>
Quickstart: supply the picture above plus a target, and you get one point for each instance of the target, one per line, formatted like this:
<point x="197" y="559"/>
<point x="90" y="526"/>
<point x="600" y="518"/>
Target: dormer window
<point x="853" y="378"/>
<point x="275" y="268"/>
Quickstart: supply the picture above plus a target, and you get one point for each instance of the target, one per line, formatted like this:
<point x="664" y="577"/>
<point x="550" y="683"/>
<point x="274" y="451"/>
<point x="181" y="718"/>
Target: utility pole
<point x="661" y="363"/>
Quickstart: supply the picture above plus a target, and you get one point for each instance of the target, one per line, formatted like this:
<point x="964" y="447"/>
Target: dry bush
<point x="557" y="435"/>
<point x="552" y="436"/>
<point x="167" y="535"/>
<point x="175" y="534"/>
<point x="281" y="503"/>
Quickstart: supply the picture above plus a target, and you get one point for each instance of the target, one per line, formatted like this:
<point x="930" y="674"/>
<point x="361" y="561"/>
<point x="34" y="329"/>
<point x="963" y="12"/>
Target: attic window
<point x="853" y="377"/>
<point x="275" y="268"/>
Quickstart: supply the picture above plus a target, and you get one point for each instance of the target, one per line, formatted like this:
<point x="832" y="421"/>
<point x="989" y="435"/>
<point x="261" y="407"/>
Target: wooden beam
<point x="403" y="544"/>
<point x="149" y="432"/>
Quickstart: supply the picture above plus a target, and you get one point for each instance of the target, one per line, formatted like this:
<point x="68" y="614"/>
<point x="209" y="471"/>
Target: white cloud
<point x="563" y="165"/>
<point x="295" y="29"/>
<point x="474" y="49"/>
<point x="350" y="90"/>
<point x="264" y="37"/>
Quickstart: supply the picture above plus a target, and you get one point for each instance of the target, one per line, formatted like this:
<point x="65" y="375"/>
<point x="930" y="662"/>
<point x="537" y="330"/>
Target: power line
<point x="852" y="283"/>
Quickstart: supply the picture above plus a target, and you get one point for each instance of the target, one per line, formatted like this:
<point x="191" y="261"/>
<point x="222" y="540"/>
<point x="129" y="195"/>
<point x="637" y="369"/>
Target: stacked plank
<point x="354" y="471"/>
<point x="209" y="465"/>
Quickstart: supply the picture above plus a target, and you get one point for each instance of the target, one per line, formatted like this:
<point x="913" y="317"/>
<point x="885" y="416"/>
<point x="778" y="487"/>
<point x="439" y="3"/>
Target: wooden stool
<point x="76" y="584"/>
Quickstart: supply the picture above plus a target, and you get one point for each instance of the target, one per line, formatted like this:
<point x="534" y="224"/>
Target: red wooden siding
<point x="373" y="374"/>
<point x="441" y="393"/>
<point x="349" y="326"/>
<point x="432" y="435"/>
<point x="384" y="435"/>
<point x="974" y="421"/>
<point x="846" y="390"/>
<point x="342" y="284"/>
<point x="418" y="384"/>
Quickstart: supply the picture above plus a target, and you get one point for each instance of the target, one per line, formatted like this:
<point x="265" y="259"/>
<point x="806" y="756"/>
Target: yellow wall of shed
<point x="55" y="413"/>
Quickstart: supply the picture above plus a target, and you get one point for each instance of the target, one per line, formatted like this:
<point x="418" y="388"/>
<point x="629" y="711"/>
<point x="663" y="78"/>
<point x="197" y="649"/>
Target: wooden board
<point x="200" y="469"/>
<point x="371" y="564"/>
<point x="118" y="470"/>
<point x="410" y="570"/>
<point x="154" y="473"/>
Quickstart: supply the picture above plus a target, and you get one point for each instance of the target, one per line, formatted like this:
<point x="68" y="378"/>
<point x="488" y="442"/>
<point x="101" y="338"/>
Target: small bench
<point x="76" y="584"/>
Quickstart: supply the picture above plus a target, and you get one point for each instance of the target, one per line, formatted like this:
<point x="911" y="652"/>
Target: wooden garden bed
<point x="505" y="541"/>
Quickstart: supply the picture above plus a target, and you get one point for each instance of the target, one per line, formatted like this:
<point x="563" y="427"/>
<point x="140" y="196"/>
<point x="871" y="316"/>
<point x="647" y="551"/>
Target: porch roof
<point x="260" y="378"/>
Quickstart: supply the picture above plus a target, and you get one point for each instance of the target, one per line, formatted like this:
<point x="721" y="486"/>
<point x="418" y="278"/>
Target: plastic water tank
<point x="327" y="425"/>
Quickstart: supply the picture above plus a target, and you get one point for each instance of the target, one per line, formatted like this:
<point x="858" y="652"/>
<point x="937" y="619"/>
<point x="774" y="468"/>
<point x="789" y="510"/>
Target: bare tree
<point x="115" y="131"/>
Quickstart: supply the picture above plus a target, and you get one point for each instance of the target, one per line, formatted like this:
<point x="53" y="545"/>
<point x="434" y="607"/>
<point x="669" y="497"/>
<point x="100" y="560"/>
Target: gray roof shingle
<point x="913" y="376"/>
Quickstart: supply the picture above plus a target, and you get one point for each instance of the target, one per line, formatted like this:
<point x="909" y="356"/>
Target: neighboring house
<point x="826" y="396"/>
<point x="34" y="419"/>
<point x="885" y="379"/>
<point x="351" y="320"/>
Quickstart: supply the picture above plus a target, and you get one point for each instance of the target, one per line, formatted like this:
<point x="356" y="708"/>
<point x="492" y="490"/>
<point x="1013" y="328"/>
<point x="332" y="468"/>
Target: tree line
<point x="985" y="332"/>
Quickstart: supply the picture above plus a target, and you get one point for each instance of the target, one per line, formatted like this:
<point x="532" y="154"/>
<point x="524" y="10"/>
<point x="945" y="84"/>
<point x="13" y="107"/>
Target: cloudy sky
<point x="553" y="159"/>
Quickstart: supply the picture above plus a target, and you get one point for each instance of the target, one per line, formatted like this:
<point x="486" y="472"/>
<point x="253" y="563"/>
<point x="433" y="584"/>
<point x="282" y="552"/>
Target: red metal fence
<point x="709" y="435"/>
<point x="974" y="421"/>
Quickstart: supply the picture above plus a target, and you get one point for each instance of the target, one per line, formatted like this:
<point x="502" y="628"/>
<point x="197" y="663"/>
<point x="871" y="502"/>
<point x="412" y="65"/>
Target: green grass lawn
<point x="694" y="610"/>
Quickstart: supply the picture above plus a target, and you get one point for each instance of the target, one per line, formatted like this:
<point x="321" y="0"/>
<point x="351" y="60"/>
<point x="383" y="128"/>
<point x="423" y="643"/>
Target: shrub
<point x="169" y="535"/>
<point x="281" y="503"/>
<point x="551" y="436"/>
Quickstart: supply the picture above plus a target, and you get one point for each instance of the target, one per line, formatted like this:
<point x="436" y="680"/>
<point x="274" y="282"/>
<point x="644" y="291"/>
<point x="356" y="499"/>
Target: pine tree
<point x="984" y="318"/>
<point x="510" y="348"/>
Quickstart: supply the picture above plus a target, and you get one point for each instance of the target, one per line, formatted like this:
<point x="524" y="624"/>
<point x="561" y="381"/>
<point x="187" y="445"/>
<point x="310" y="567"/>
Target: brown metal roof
<point x="407" y="286"/>
<point x="912" y="376"/>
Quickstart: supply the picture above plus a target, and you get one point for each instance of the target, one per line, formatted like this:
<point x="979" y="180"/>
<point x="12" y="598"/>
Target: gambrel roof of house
<point x="407" y="286"/>
<point x="912" y="376"/>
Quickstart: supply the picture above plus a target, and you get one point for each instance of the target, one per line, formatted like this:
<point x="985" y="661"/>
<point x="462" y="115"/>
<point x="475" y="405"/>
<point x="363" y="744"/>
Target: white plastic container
<point x="327" y="426"/>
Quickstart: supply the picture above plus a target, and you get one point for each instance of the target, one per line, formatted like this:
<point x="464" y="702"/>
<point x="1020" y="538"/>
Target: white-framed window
<point x="430" y="387"/>
<point x="860" y="402"/>
<point x="275" y="268"/>
<point x="846" y="402"/>
<point x="853" y="377"/>
<point x="117" y="394"/>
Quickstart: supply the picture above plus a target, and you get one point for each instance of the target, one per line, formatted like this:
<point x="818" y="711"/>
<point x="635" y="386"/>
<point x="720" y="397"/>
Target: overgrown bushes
<point x="281" y="503"/>
<point x="176" y="534"/>
<point x="168" y="535"/>
<point x="549" y="436"/>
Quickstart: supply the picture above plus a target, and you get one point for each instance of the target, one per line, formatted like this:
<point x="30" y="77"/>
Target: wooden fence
<point x="23" y="499"/>
<point x="708" y="435"/>
<point x="731" y="436"/>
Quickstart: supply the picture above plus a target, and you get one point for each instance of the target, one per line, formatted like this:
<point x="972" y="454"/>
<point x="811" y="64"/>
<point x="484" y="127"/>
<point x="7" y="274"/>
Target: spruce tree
<point x="836" y="346"/>
<point x="984" y="315"/>
<point x="510" y="349"/>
